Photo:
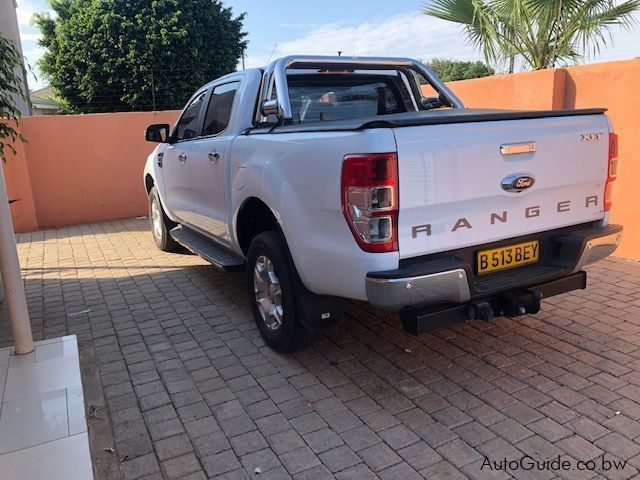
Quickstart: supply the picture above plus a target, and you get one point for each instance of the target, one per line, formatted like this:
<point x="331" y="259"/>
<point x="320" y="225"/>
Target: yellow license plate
<point x="508" y="257"/>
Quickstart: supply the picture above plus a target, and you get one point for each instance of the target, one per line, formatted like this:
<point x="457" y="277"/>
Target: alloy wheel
<point x="268" y="293"/>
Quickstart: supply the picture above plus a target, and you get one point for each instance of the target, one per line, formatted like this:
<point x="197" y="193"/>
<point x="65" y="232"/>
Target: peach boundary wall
<point x="87" y="168"/>
<point x="80" y="168"/>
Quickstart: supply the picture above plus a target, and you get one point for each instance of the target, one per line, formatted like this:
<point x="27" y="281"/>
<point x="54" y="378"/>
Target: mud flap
<point x="317" y="312"/>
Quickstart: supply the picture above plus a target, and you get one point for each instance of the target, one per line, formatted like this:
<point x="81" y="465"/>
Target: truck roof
<point x="311" y="61"/>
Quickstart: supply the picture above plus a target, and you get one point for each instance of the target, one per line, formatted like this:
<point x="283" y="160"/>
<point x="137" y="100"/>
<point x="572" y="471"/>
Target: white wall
<point x="9" y="30"/>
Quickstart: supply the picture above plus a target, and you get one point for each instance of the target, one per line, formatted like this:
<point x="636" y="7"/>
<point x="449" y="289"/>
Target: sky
<point x="355" y="27"/>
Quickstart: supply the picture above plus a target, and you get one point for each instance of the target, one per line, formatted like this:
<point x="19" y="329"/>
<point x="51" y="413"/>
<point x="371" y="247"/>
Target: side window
<point x="219" y="110"/>
<point x="187" y="126"/>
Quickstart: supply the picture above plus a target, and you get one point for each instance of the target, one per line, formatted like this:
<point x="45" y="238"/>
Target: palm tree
<point x="543" y="33"/>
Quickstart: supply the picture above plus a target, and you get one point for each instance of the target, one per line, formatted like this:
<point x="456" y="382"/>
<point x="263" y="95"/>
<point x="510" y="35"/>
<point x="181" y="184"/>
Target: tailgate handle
<point x="516" y="148"/>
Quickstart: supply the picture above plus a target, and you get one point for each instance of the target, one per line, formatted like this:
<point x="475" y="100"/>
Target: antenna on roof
<point x="272" y="52"/>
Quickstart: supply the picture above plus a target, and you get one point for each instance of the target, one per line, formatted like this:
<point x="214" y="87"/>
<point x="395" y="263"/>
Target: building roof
<point x="44" y="98"/>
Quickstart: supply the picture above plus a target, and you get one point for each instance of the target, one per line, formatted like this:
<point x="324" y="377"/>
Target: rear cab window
<point x="318" y="97"/>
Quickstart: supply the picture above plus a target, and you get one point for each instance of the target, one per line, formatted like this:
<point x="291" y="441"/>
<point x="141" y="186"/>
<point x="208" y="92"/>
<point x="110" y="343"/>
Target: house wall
<point x="86" y="168"/>
<point x="9" y="30"/>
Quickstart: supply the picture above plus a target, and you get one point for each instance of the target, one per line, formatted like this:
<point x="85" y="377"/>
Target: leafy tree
<point x="449" y="70"/>
<point x="10" y="87"/>
<point x="118" y="55"/>
<point x="543" y="33"/>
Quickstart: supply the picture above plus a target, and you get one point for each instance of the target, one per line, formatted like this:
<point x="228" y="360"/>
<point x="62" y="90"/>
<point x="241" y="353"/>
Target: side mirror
<point x="158" y="133"/>
<point x="270" y="107"/>
<point x="428" y="103"/>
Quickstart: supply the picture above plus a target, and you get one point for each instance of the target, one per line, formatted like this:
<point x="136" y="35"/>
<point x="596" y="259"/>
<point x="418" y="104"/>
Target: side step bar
<point x="206" y="248"/>
<point x="511" y="304"/>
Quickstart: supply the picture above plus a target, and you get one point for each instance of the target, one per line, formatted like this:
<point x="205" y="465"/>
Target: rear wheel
<point x="270" y="284"/>
<point x="160" y="224"/>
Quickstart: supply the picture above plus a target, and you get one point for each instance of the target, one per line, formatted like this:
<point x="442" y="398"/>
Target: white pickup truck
<point x="335" y="177"/>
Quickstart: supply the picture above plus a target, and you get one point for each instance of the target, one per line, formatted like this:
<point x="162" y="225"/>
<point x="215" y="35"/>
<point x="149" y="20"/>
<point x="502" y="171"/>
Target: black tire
<point x="291" y="335"/>
<point x="161" y="236"/>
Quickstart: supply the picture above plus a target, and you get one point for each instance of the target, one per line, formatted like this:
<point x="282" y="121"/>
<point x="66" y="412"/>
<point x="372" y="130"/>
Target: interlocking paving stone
<point x="299" y="460"/>
<point x="442" y="471"/>
<point x="399" y="436"/>
<point x="511" y="430"/>
<point x="248" y="442"/>
<point x="323" y="440"/>
<point x="135" y="447"/>
<point x="273" y="424"/>
<point x="616" y="444"/>
<point x="179" y="467"/>
<point x="474" y="433"/>
<point x="360" y="437"/>
<point x="220" y="463"/>
<point x="139" y="466"/>
<point x="286" y="441"/>
<point x="308" y="423"/>
<point x="578" y="447"/>
<point x="458" y="452"/>
<point x="214" y="442"/>
<point x="202" y="426"/>
<point x="194" y="411"/>
<point x="193" y="392"/>
<point x="339" y="458"/>
<point x="264" y="460"/>
<point x="165" y="428"/>
<point x="379" y="456"/>
<point x="539" y="447"/>
<point x="550" y="429"/>
<point x="400" y="471"/>
<point x="342" y="421"/>
<point x="237" y="425"/>
<point x="173" y="446"/>
<point x="497" y="449"/>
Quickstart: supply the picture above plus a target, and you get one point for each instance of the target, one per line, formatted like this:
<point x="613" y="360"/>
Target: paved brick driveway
<point x="192" y="391"/>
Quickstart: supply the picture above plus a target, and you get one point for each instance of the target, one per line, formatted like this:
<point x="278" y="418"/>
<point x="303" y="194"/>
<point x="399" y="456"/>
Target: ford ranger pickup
<point x="332" y="178"/>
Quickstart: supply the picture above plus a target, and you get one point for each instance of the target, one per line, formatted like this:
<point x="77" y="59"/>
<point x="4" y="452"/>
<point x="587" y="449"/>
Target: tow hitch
<point x="510" y="304"/>
<point x="518" y="303"/>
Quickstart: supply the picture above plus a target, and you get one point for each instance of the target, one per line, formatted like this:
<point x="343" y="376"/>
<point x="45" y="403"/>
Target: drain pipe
<point x="12" y="278"/>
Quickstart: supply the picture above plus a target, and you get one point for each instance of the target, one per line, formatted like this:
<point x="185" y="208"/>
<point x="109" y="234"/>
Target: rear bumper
<point x="599" y="247"/>
<point x="449" y="286"/>
<point x="450" y="277"/>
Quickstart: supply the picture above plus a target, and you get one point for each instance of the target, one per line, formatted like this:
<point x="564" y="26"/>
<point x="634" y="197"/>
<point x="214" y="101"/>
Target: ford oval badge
<point x="517" y="183"/>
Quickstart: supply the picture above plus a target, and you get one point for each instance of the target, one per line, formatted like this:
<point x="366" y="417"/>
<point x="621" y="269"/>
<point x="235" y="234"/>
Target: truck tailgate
<point x="450" y="178"/>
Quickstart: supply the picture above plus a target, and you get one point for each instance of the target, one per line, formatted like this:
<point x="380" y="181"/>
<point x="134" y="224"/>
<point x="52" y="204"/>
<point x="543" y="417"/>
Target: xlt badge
<point x="590" y="137"/>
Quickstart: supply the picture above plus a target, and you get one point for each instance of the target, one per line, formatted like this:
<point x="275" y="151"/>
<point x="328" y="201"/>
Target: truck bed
<point x="429" y="117"/>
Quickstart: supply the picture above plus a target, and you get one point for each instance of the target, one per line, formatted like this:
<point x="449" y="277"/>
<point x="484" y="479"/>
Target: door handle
<point x="214" y="156"/>
<point x="517" y="148"/>
<point x="182" y="157"/>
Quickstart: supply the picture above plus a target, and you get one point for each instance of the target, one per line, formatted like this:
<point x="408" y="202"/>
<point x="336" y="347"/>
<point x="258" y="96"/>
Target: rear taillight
<point x="370" y="200"/>
<point x="612" y="171"/>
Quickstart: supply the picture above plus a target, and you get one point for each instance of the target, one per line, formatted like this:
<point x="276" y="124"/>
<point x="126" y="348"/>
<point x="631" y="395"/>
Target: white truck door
<point x="176" y="165"/>
<point x="210" y="163"/>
